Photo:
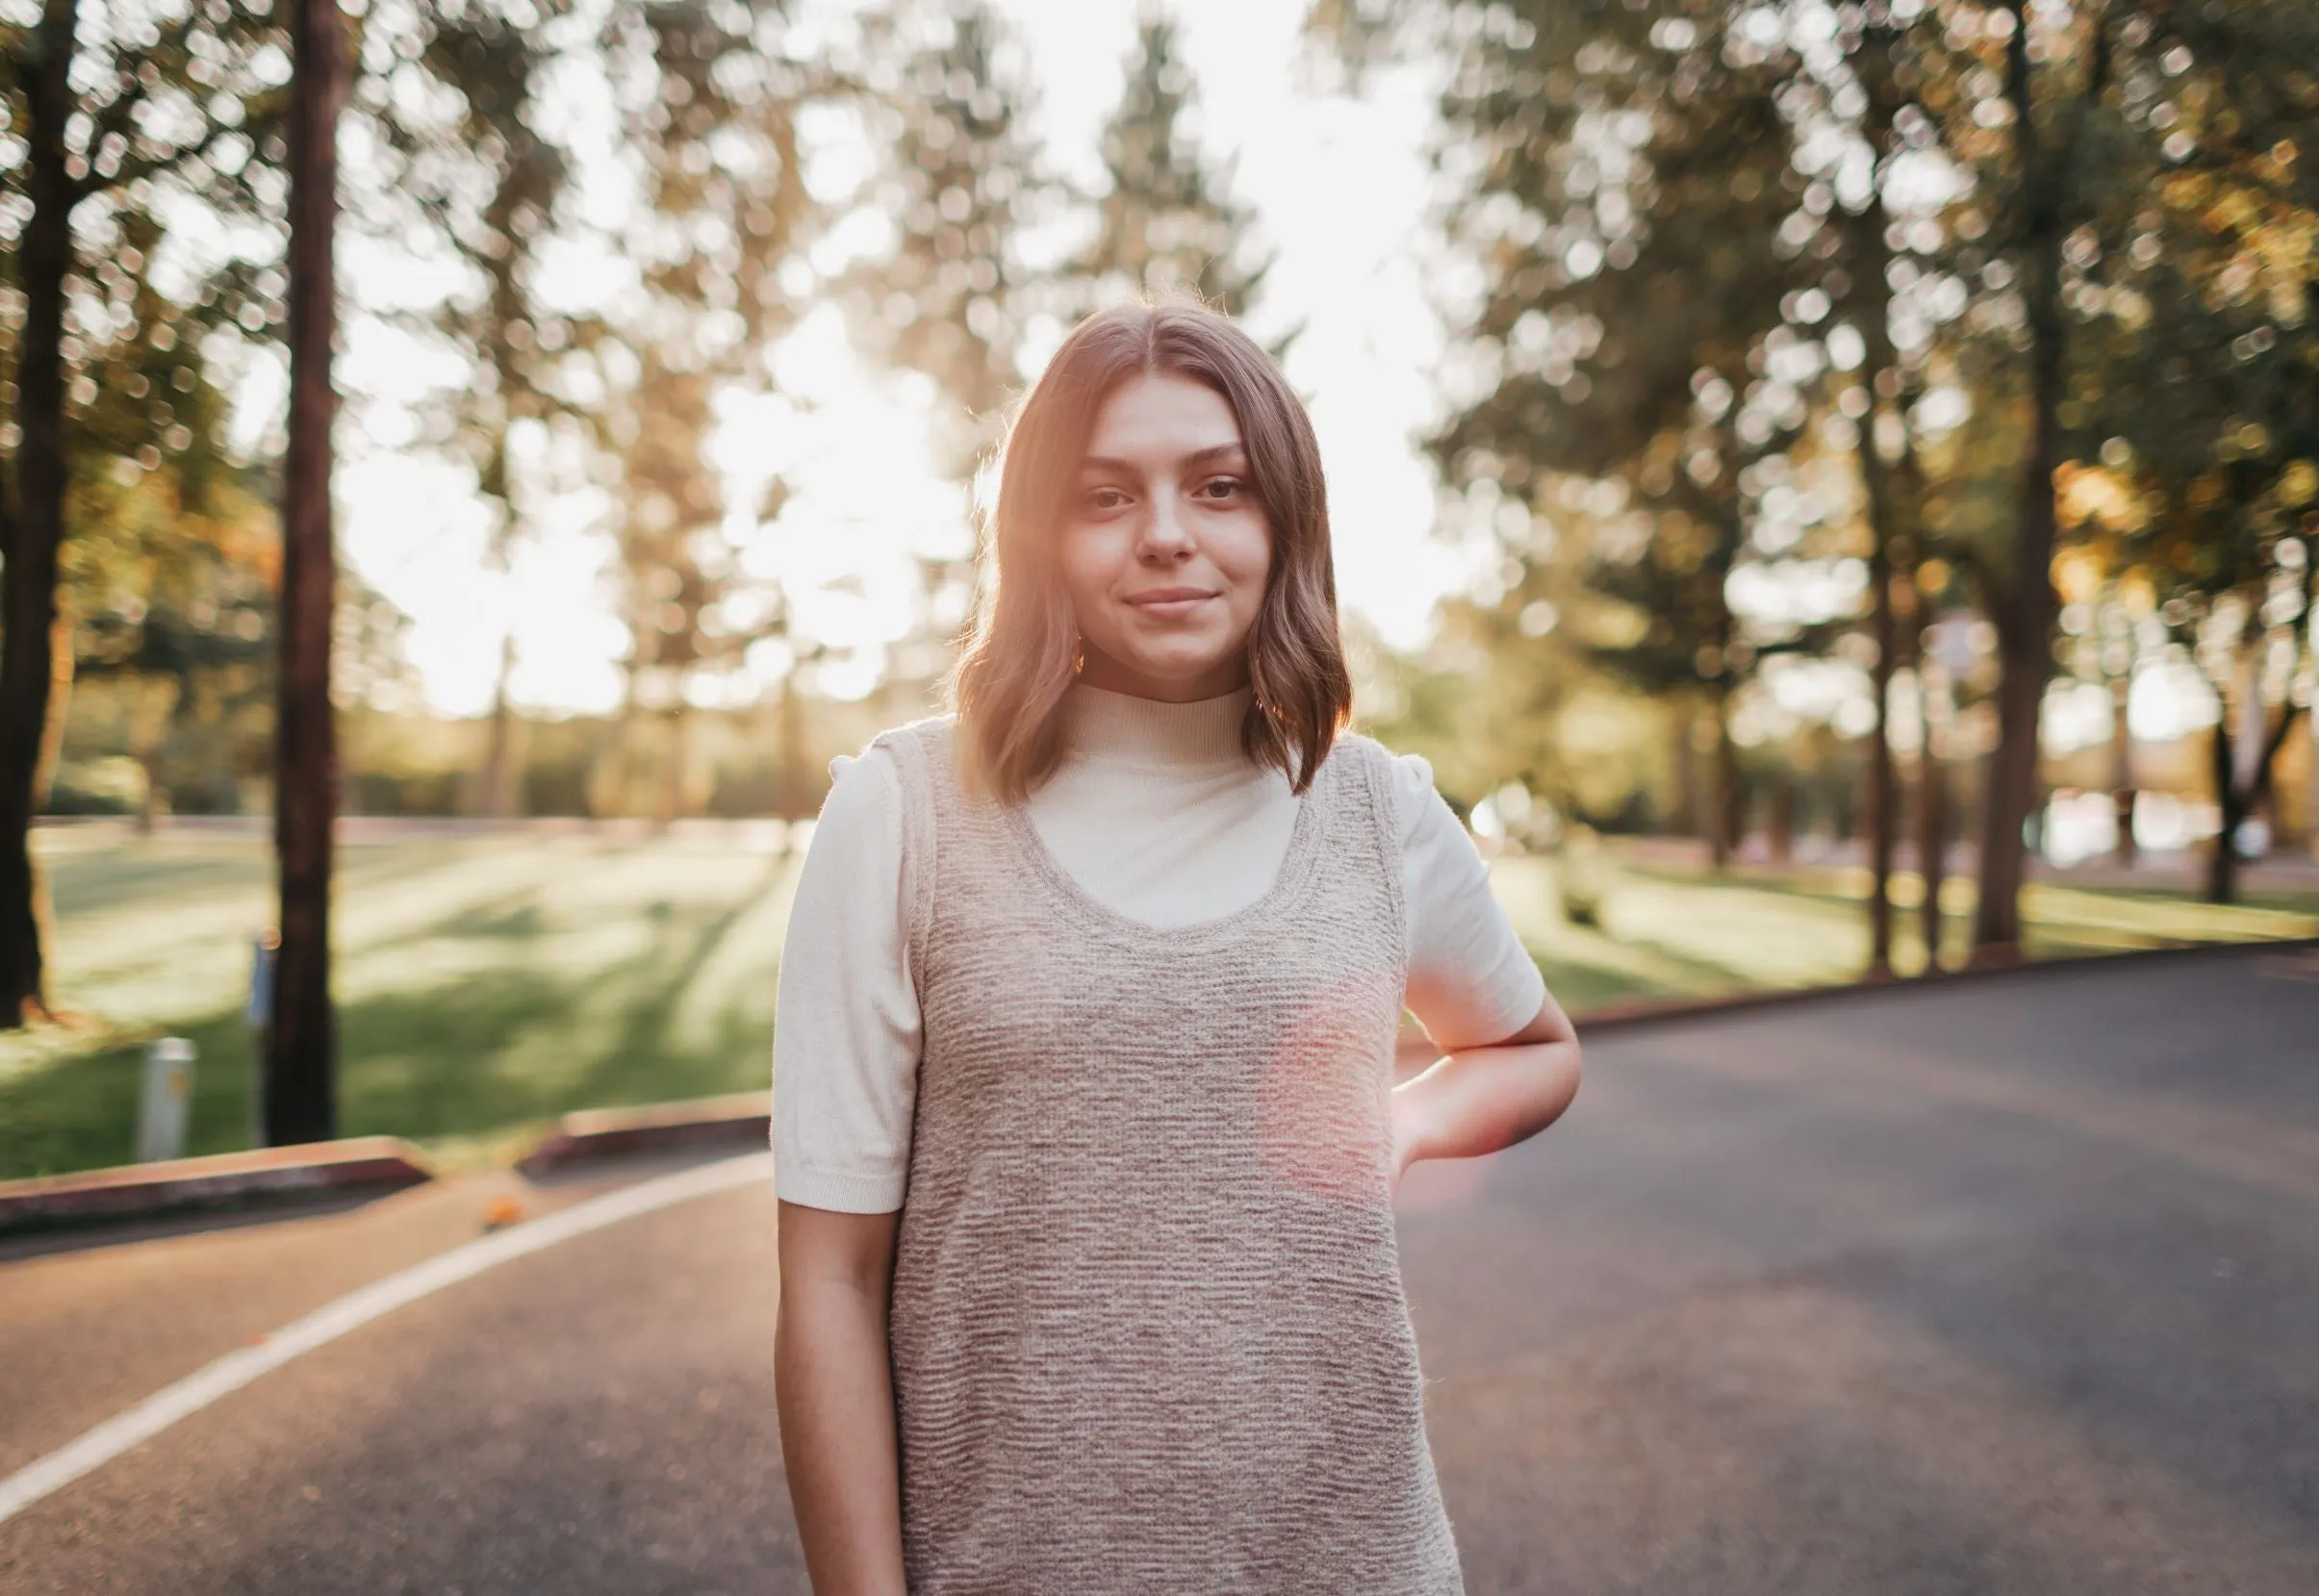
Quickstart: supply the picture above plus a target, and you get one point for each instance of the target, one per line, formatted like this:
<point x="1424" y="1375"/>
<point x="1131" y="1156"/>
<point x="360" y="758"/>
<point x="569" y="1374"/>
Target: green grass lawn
<point x="484" y="985"/>
<point x="487" y="984"/>
<point x="1666" y="935"/>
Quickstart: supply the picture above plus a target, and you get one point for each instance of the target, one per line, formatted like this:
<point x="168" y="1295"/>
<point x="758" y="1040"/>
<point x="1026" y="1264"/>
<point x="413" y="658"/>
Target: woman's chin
<point x="1183" y="675"/>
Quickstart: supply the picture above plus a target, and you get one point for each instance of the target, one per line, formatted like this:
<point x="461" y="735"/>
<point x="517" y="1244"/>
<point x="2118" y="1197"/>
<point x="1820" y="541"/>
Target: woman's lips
<point x="1170" y="603"/>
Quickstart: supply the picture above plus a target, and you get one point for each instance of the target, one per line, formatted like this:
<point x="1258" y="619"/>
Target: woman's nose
<point x="1164" y="532"/>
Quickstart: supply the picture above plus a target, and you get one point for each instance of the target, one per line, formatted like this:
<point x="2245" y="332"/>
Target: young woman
<point x="1086" y="1136"/>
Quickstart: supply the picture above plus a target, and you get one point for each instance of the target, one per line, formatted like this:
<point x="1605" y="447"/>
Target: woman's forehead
<point x="1162" y="416"/>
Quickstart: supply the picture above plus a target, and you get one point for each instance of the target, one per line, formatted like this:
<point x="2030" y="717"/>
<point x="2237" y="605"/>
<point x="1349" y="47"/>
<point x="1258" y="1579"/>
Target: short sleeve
<point x="1471" y="982"/>
<point x="846" y="1020"/>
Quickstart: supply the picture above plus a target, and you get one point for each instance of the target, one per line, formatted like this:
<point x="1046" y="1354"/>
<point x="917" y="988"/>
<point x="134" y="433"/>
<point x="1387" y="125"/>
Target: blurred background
<point x="1831" y="487"/>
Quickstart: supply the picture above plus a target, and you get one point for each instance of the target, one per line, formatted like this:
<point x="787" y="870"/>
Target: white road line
<point x="99" y="1446"/>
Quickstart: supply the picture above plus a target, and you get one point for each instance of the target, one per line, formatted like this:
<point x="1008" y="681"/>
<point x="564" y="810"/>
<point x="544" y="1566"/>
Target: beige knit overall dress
<point x="1148" y="1328"/>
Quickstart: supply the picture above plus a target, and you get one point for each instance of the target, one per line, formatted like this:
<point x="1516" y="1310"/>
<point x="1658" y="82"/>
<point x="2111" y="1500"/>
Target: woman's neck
<point x="1120" y="728"/>
<point x="1097" y="669"/>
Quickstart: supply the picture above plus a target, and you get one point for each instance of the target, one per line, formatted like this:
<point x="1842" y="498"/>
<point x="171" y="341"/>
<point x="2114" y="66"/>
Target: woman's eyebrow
<point x="1208" y="456"/>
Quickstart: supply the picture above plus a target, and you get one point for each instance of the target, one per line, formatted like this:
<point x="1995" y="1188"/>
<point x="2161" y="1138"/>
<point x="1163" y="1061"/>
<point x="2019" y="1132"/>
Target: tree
<point x="2191" y="411"/>
<point x="1162" y="223"/>
<point x="40" y="65"/>
<point x="482" y="173"/>
<point x="950" y="299"/>
<point x="302" y="1064"/>
<point x="1864" y="76"/>
<point x="948" y="99"/>
<point x="721" y="250"/>
<point x="2047" y="108"/>
<point x="169" y="574"/>
<point x="1628" y="185"/>
<point x="112" y="114"/>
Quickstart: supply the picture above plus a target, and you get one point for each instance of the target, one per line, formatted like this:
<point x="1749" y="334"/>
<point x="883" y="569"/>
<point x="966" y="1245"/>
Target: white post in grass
<point x="168" y="1094"/>
<point x="257" y="1013"/>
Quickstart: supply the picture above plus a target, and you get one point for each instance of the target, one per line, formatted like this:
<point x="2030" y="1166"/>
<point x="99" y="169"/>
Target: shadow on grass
<point x="147" y="874"/>
<point x="82" y="886"/>
<point x="517" y="1043"/>
<point x="505" y="1047"/>
<point x="1580" y="984"/>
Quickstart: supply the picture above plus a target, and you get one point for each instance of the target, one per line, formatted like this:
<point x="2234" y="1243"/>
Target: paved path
<point x="2012" y="1288"/>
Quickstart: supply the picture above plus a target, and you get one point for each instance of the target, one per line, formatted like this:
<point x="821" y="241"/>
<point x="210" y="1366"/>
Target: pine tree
<point x="714" y="94"/>
<point x="471" y="164"/>
<point x="961" y="178"/>
<point x="951" y="298"/>
<point x="1165" y="221"/>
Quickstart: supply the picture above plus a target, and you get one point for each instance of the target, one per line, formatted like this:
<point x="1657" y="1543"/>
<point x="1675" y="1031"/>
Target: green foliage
<point x="715" y="94"/>
<point x="468" y="166"/>
<point x="1625" y="184"/>
<point x="1163" y="222"/>
<point x="953" y="295"/>
<point x="178" y="110"/>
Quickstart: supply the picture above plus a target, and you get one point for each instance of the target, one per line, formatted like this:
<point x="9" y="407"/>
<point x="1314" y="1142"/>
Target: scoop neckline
<point x="1288" y="881"/>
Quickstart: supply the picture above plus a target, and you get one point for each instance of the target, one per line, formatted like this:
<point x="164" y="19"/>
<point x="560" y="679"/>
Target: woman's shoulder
<point x="1403" y="769"/>
<point x="1409" y="778"/>
<point x="906" y="748"/>
<point x="895" y="762"/>
<point x="926" y="733"/>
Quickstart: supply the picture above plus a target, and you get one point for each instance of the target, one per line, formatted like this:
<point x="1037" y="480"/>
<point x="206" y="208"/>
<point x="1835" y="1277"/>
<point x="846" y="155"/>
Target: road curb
<point x="1636" y="1014"/>
<point x="739" y="1119"/>
<point x="135" y="1191"/>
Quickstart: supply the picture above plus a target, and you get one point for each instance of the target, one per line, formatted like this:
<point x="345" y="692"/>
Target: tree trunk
<point x="61" y="664"/>
<point x="795" y="802"/>
<point x="2242" y="779"/>
<point x="1781" y="827"/>
<point x="1884" y="787"/>
<point x="2122" y="768"/>
<point x="1885" y="532"/>
<point x="494" y="797"/>
<point x="1722" y="818"/>
<point x="671" y="783"/>
<point x="1690" y="808"/>
<point x="611" y="783"/>
<point x="1932" y="800"/>
<point x="1932" y="852"/>
<point x="150" y="730"/>
<point x="302" y="1061"/>
<point x="2022" y="611"/>
<point x="2222" y="860"/>
<point x="35" y="531"/>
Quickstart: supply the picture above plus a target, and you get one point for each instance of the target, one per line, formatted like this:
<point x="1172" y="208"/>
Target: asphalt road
<point x="2009" y="1287"/>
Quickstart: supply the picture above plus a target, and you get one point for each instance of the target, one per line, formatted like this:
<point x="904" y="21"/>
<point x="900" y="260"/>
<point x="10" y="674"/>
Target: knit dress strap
<point x="921" y="756"/>
<point x="1375" y="763"/>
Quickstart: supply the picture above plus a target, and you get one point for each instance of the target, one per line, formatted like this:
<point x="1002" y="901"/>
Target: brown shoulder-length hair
<point x="1007" y="687"/>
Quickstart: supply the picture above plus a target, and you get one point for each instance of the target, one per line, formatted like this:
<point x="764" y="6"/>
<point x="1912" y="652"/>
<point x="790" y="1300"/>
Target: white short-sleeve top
<point x="1156" y="813"/>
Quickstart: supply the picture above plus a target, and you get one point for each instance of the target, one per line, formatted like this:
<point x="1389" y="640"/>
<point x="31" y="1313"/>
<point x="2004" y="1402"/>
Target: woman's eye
<point x="1222" y="488"/>
<point x="1105" y="498"/>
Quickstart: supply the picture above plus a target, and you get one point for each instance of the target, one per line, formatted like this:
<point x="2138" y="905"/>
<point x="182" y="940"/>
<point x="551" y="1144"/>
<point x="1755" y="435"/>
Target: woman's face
<point x="1164" y="545"/>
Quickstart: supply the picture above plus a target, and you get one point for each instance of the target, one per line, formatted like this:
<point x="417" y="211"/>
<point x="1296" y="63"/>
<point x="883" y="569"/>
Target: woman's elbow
<point x="1564" y="1073"/>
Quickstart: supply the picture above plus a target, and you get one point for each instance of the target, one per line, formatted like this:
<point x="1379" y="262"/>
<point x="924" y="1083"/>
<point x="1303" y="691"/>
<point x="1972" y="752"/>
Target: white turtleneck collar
<point x="1119" y="729"/>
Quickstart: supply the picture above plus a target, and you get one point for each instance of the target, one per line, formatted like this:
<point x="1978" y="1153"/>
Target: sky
<point x="1339" y="187"/>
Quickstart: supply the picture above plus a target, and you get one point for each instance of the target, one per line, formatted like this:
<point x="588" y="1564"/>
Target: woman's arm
<point x="1477" y="1099"/>
<point x="834" y="1392"/>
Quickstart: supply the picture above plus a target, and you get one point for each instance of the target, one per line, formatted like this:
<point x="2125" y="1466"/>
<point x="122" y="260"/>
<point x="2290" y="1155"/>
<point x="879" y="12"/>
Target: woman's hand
<point x="1479" y="1100"/>
<point x="1405" y="1138"/>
